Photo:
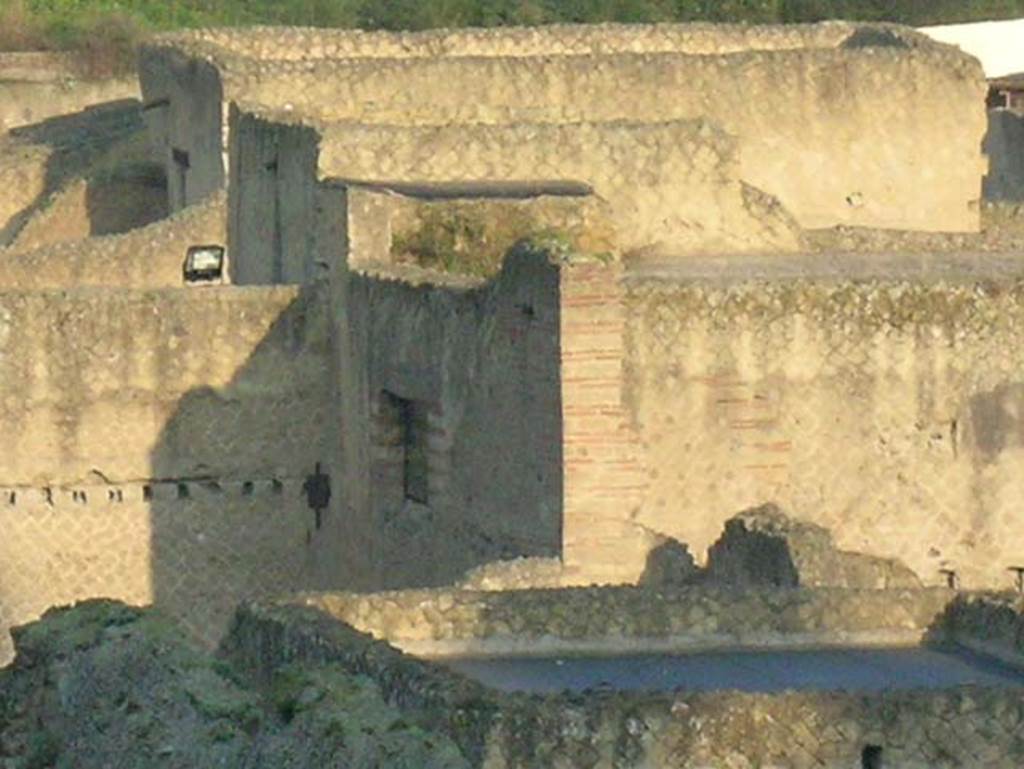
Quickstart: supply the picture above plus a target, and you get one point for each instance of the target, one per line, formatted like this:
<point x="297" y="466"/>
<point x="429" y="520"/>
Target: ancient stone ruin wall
<point x="964" y="726"/>
<point x="185" y="116"/>
<point x="272" y="207"/>
<point x="669" y="187"/>
<point x="447" y="622"/>
<point x="878" y="397"/>
<point x="842" y="130"/>
<point x="35" y="86"/>
<point x="449" y="392"/>
<point x="157" y="445"/>
<point x="468" y="236"/>
<point x="38" y="160"/>
<point x="277" y="205"/>
<point x="840" y="136"/>
<point x="1004" y="146"/>
<point x="229" y="46"/>
<point x="149" y="257"/>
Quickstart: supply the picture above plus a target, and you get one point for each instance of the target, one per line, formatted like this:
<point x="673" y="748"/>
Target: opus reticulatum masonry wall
<point x="450" y="447"/>
<point x="871" y="396"/>
<point x="860" y="107"/>
<point x="669" y="187"/>
<point x="156" y="447"/>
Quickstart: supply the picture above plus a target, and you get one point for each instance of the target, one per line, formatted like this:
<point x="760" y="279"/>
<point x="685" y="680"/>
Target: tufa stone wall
<point x="841" y="128"/>
<point x="148" y="257"/>
<point x="1004" y="145"/>
<point x="37" y="160"/>
<point x="875" y="396"/>
<point x="37" y="85"/>
<point x="446" y="621"/>
<point x="834" y="133"/>
<point x="164" y="460"/>
<point x="669" y="187"/>
<point x="230" y="46"/>
<point x="449" y="399"/>
<point x="965" y="726"/>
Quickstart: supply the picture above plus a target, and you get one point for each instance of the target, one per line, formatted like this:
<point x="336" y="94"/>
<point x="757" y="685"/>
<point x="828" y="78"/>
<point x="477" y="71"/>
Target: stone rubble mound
<point x="763" y="546"/>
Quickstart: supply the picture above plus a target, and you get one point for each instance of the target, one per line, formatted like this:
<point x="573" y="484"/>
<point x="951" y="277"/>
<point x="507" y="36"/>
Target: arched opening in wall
<point x="871" y="757"/>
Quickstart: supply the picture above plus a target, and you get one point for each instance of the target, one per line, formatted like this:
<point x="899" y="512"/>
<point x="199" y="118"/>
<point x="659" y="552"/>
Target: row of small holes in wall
<point x="117" y="494"/>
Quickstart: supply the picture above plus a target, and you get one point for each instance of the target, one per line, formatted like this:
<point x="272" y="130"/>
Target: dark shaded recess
<point x="116" y="202"/>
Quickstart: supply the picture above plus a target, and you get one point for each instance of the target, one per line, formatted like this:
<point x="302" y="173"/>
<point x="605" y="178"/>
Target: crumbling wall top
<point x="232" y="48"/>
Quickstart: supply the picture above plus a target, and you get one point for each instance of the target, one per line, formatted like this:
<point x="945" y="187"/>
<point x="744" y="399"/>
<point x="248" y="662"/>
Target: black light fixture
<point x="204" y="264"/>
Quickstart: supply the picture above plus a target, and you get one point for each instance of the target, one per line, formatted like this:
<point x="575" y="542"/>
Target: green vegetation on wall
<point x="106" y="29"/>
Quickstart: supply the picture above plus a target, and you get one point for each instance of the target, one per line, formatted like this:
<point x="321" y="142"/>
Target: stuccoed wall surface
<point x="481" y="361"/>
<point x="671" y="187"/>
<point x="966" y="726"/>
<point x="878" y="397"/>
<point x="214" y="398"/>
<point x="446" y="621"/>
<point x="149" y="257"/>
<point x="838" y="135"/>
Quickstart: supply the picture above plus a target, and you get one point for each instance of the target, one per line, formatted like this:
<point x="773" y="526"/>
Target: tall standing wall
<point x="840" y="135"/>
<point x="156" y="445"/>
<point x="670" y="187"/>
<point x="879" y="397"/>
<point x="840" y="122"/>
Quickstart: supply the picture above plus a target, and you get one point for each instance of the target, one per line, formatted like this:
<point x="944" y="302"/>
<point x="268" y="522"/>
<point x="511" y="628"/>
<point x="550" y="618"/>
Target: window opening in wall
<point x="410" y="418"/>
<point x="181" y="165"/>
<point x="871" y="757"/>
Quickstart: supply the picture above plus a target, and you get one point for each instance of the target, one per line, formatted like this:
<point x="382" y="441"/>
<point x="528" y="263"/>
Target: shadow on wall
<point x="459" y="392"/>
<point x="1004" y="147"/>
<point x="119" y="195"/>
<point x="229" y="507"/>
<point x="126" y="198"/>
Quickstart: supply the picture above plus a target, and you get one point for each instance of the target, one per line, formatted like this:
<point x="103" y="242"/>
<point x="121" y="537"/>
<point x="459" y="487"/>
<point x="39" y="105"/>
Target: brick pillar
<point x="604" y="482"/>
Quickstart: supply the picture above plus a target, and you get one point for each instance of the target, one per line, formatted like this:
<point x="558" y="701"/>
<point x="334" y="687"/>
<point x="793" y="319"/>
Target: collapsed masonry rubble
<point x="764" y="546"/>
